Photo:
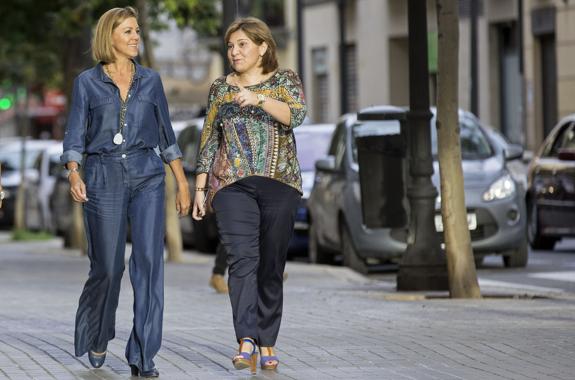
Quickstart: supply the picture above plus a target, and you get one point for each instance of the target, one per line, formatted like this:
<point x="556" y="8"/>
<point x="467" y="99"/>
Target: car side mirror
<point x="566" y="154"/>
<point x="513" y="152"/>
<point x="326" y="164"/>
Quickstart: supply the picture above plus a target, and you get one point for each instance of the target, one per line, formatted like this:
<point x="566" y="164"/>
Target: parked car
<point x="494" y="200"/>
<point x="49" y="168"/>
<point x="312" y="142"/>
<point x="202" y="234"/>
<point x="550" y="194"/>
<point x="10" y="159"/>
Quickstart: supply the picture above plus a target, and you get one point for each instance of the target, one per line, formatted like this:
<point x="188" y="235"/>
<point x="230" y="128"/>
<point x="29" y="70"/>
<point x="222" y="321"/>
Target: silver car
<point x="494" y="199"/>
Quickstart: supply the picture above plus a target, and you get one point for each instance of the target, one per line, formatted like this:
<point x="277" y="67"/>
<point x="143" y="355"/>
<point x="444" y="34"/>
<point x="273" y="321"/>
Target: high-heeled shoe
<point x="245" y="359"/>
<point x="97" y="359"/>
<point x="149" y="373"/>
<point x="268" y="362"/>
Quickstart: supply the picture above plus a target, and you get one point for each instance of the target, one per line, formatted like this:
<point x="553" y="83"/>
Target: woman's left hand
<point x="246" y="97"/>
<point x="183" y="200"/>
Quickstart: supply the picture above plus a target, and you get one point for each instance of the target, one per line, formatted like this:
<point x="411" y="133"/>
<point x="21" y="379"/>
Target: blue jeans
<point x="123" y="188"/>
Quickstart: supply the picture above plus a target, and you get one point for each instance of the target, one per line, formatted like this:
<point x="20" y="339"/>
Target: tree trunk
<point x="173" y="230"/>
<point x="20" y="206"/>
<point x="143" y="20"/>
<point x="74" y="60"/>
<point x="460" y="264"/>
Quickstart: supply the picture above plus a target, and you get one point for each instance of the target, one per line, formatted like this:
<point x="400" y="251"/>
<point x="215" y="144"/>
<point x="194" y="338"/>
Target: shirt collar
<point x="100" y="74"/>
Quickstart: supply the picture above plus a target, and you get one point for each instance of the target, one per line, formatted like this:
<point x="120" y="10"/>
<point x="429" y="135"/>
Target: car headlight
<point x="503" y="188"/>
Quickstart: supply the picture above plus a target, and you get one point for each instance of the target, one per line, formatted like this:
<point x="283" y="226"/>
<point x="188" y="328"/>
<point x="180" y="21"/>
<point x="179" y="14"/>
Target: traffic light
<point x="6" y="103"/>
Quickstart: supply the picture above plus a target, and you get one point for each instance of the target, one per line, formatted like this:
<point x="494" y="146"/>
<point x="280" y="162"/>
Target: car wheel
<point x="533" y="232"/>
<point x="350" y="256"/>
<point x="316" y="253"/>
<point x="517" y="258"/>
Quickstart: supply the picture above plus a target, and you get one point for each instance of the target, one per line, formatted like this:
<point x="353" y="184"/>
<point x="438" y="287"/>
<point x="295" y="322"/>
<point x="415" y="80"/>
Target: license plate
<point x="471" y="222"/>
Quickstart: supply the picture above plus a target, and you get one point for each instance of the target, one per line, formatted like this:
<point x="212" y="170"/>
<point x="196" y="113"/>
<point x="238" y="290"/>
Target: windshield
<point x="311" y="146"/>
<point x="474" y="143"/>
<point x="372" y="128"/>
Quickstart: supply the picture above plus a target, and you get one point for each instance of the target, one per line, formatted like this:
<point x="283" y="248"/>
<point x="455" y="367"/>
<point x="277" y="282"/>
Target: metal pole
<point x="300" y="41"/>
<point x="229" y="13"/>
<point x="342" y="65"/>
<point x="474" y="96"/>
<point x="423" y="266"/>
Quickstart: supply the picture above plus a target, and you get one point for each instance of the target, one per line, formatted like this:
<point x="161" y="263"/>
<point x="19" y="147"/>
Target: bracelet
<point x="73" y="170"/>
<point x="202" y="188"/>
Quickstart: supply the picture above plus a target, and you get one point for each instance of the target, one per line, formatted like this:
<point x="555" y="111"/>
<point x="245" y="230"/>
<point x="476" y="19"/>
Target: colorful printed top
<point x="241" y="142"/>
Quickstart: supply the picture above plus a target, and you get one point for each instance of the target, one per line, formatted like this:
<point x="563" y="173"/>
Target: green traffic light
<point x="5" y="104"/>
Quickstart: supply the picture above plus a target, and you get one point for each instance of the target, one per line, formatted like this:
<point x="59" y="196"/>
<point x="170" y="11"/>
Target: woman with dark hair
<point x="118" y="117"/>
<point x="249" y="173"/>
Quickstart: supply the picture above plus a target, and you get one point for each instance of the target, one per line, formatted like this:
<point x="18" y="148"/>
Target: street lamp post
<point x="423" y="266"/>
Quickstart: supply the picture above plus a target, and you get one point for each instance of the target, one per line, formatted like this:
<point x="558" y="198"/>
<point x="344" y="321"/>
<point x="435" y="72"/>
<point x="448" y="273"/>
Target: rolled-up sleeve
<point x="210" y="138"/>
<point x="169" y="149"/>
<point x="76" y="125"/>
<point x="293" y="95"/>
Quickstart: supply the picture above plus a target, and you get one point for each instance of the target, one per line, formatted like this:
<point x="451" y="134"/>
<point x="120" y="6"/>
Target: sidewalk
<point x="337" y="325"/>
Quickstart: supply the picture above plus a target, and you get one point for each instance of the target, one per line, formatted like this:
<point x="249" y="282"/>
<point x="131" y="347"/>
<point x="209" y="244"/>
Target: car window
<point x="10" y="160"/>
<point x="55" y="167"/>
<point x="311" y="146"/>
<point x="473" y="141"/>
<point x="335" y="140"/>
<point x="188" y="143"/>
<point x="565" y="139"/>
<point x="372" y="128"/>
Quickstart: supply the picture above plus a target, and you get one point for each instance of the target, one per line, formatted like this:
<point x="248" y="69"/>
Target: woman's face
<point x="243" y="54"/>
<point x="125" y="38"/>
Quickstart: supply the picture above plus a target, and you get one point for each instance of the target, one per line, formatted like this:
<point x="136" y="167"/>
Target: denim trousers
<point x="123" y="189"/>
<point x="255" y="218"/>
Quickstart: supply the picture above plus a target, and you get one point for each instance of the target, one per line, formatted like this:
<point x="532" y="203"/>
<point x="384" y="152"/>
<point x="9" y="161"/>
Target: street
<point x="547" y="271"/>
<point x="337" y="324"/>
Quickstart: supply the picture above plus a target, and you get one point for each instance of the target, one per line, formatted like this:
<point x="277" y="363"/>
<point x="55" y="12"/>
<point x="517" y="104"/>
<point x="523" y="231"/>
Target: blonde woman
<point x="118" y="117"/>
<point x="248" y="167"/>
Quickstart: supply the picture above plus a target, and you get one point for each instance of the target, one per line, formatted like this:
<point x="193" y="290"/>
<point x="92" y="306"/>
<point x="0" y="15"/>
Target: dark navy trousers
<point x="255" y="217"/>
<point x="122" y="188"/>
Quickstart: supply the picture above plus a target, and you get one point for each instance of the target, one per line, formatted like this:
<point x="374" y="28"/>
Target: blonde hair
<point x="258" y="32"/>
<point x="102" y="41"/>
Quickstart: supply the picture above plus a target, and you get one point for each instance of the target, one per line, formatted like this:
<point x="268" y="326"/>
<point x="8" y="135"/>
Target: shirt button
<point x="123" y="156"/>
<point x="126" y="124"/>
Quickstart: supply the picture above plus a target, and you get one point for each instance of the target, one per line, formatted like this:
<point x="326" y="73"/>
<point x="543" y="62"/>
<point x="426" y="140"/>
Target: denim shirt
<point x="94" y="116"/>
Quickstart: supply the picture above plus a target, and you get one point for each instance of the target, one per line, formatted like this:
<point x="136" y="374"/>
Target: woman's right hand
<point x="77" y="187"/>
<point x="199" y="208"/>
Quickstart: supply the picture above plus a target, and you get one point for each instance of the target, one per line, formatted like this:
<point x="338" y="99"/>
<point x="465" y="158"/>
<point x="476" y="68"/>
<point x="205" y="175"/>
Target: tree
<point x="460" y="264"/>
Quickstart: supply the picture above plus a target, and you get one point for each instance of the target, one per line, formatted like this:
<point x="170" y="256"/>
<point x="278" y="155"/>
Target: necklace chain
<point x="124" y="103"/>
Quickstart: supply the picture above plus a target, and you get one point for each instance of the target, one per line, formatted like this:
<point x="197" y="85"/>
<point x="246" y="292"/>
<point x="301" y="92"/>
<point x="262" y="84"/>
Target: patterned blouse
<point x="241" y="142"/>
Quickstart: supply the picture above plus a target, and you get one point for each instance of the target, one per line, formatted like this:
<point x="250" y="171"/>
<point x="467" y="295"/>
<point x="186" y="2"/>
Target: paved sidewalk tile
<point x="337" y="325"/>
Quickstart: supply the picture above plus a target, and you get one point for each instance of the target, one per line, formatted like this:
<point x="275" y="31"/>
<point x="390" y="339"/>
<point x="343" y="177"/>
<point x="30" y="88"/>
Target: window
<point x="320" y="85"/>
<point x="351" y="77"/>
<point x="474" y="143"/>
<point x="565" y="139"/>
<point x="337" y="145"/>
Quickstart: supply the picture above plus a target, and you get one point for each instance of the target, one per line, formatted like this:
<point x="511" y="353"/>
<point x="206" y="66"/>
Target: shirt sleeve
<point x="210" y="138"/>
<point x="168" y="146"/>
<point x="76" y="125"/>
<point x="292" y="94"/>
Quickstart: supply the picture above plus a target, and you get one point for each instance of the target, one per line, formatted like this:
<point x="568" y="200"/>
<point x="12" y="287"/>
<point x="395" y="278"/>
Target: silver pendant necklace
<point x="119" y="137"/>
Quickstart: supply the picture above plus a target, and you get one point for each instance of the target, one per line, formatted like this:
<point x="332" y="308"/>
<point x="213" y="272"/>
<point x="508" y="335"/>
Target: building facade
<point x="356" y="55"/>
